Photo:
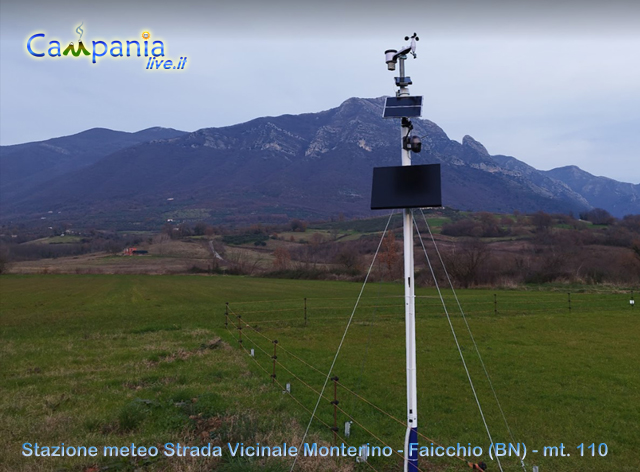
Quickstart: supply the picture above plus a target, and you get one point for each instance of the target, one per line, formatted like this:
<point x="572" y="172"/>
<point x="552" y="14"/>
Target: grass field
<point x="110" y="360"/>
<point x="57" y="240"/>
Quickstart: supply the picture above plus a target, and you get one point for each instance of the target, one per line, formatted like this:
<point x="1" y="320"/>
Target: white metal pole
<point x="411" y="437"/>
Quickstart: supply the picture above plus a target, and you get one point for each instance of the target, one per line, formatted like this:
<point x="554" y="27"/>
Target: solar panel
<point x="406" y="187"/>
<point x="399" y="107"/>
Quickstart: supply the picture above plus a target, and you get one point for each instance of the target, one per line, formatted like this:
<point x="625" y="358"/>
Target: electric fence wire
<point x="455" y="338"/>
<point x="335" y="358"/>
<point x="295" y="399"/>
<point x="473" y="340"/>
<point x="305" y="384"/>
<point x="342" y="385"/>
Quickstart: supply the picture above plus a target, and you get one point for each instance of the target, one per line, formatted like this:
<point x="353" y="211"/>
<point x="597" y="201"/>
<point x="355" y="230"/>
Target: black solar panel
<point x="406" y="187"/>
<point x="398" y="107"/>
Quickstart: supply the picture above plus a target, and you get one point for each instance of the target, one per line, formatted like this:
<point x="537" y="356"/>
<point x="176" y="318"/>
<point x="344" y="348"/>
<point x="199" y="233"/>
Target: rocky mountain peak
<point x="477" y="146"/>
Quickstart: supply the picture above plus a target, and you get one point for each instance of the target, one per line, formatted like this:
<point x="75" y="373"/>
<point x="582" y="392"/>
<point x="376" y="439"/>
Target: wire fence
<point x="301" y="381"/>
<point x="346" y="415"/>
<point x="309" y="310"/>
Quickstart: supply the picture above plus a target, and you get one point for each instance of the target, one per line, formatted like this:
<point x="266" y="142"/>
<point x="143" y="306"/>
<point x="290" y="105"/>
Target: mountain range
<point x="313" y="165"/>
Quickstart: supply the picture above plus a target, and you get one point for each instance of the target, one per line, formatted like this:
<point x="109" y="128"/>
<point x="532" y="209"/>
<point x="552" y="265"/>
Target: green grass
<point x="188" y="213"/>
<point x="57" y="240"/>
<point x="110" y="360"/>
<point x="250" y="238"/>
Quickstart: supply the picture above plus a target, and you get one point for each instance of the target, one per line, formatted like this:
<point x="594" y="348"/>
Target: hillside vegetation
<point x="479" y="249"/>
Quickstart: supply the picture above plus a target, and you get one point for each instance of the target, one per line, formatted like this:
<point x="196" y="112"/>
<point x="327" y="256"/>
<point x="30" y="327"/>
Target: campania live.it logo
<point x="36" y="45"/>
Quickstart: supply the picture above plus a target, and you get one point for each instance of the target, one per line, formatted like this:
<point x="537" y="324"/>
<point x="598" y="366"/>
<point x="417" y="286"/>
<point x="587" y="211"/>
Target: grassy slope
<point x="118" y="359"/>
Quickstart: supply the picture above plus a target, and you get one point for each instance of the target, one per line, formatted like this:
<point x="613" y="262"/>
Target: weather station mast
<point x="407" y="187"/>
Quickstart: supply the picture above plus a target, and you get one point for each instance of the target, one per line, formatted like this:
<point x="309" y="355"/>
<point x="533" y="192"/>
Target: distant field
<point x="115" y="359"/>
<point x="57" y="240"/>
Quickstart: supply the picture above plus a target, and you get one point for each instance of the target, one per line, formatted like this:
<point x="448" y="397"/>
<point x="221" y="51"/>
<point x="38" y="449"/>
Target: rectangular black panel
<point x="406" y="187"/>
<point x="397" y="107"/>
<point x="407" y="101"/>
<point x="399" y="112"/>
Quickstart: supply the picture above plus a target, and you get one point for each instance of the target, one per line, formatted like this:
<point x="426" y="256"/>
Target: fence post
<point x="495" y="303"/>
<point x="335" y="408"/>
<point x="240" y="328"/>
<point x="226" y="315"/>
<point x="274" y="357"/>
<point x="305" y="311"/>
<point x="569" y="299"/>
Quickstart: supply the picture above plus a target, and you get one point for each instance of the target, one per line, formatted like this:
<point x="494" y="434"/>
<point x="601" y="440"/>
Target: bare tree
<point x="598" y="216"/>
<point x="389" y="257"/>
<point x="542" y="221"/>
<point x="298" y="225"/>
<point x="466" y="259"/>
<point x="243" y="263"/>
<point x="282" y="259"/>
<point x="200" y="228"/>
<point x="349" y="259"/>
<point x="636" y="248"/>
<point x="4" y="260"/>
<point x="317" y="239"/>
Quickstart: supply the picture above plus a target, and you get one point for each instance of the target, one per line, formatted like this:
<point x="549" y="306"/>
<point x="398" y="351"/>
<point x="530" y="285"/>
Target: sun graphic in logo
<point x="146" y="35"/>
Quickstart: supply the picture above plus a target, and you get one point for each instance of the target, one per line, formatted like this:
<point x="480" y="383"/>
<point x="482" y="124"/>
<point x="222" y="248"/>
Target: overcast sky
<point x="552" y="83"/>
